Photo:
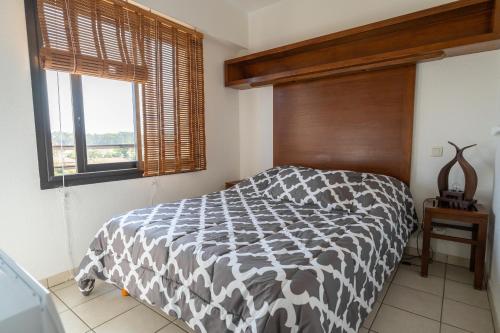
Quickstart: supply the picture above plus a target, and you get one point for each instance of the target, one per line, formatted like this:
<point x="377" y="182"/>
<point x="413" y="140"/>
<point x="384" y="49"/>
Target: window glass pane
<point x="61" y="122"/>
<point x="109" y="120"/>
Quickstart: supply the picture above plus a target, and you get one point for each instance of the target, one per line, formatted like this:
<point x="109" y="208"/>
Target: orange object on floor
<point x="124" y="292"/>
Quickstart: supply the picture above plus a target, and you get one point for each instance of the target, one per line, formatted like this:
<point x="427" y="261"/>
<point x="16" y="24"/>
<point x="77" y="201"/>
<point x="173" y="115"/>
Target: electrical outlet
<point x="495" y="130"/>
<point x="437" y="151"/>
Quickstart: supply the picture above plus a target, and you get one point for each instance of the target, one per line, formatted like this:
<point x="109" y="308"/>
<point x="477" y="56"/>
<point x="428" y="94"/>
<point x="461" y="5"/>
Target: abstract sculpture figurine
<point x="453" y="198"/>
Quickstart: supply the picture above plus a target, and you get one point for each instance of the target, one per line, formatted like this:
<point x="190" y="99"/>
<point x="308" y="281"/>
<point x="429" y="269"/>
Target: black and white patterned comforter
<point x="262" y="256"/>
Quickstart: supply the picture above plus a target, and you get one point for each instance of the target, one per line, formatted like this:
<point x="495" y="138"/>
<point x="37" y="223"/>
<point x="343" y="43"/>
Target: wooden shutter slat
<point x="151" y="97"/>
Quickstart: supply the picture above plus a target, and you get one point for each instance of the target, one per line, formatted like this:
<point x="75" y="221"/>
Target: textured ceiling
<point x="251" y="5"/>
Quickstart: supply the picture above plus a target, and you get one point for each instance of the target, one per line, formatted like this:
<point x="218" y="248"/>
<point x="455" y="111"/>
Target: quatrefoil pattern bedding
<point x="248" y="260"/>
<point x="325" y="189"/>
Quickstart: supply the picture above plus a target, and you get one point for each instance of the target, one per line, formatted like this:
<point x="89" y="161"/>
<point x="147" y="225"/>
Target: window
<point x="117" y="92"/>
<point x="62" y="132"/>
<point x="109" y="126"/>
<point x="92" y="123"/>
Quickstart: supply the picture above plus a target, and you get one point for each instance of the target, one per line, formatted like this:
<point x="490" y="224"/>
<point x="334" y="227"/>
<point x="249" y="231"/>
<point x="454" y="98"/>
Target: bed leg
<point x="124" y="292"/>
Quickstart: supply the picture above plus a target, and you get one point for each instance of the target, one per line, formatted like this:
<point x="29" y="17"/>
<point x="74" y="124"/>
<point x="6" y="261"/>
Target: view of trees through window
<point x="108" y="147"/>
<point x="111" y="147"/>
<point x="108" y="114"/>
<point x="109" y="120"/>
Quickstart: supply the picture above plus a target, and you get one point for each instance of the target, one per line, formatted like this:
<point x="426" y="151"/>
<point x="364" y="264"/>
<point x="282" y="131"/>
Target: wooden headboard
<point x="360" y="122"/>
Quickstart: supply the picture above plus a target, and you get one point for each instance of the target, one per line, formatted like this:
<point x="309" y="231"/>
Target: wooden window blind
<point x="91" y="37"/>
<point x="118" y="40"/>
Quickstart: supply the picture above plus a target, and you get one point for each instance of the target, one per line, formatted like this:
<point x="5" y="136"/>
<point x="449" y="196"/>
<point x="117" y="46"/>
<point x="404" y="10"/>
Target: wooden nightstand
<point x="231" y="183"/>
<point x="475" y="221"/>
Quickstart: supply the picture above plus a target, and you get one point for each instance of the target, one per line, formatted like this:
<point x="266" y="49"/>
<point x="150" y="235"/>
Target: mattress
<point x="240" y="261"/>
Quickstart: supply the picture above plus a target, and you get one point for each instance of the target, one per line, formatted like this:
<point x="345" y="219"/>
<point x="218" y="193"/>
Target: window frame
<point x="80" y="133"/>
<point x="90" y="174"/>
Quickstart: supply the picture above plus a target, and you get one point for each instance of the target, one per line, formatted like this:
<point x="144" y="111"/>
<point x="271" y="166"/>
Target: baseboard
<point x="441" y="257"/>
<point x="57" y="279"/>
<point x="492" y="290"/>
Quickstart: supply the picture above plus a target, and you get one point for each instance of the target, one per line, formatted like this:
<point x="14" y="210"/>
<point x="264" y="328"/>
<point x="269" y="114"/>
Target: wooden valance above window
<point x="117" y="40"/>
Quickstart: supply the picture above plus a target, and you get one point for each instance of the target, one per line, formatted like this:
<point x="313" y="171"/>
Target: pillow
<point x="385" y="197"/>
<point x="255" y="185"/>
<point x="329" y="190"/>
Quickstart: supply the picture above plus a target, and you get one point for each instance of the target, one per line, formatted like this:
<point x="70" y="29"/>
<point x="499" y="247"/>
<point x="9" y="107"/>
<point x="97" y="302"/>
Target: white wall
<point x="494" y="282"/>
<point x="256" y="130"/>
<point x="214" y="17"/>
<point x="290" y="21"/>
<point x="457" y="99"/>
<point x="31" y="220"/>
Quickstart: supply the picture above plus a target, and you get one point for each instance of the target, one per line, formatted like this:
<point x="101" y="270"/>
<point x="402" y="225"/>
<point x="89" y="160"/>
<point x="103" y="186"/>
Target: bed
<point x="292" y="249"/>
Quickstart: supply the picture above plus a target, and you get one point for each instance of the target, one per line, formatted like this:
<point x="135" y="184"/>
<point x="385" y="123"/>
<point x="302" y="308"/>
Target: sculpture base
<point x="455" y="200"/>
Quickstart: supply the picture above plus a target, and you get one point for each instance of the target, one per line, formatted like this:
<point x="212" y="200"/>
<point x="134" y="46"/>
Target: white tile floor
<point x="106" y="311"/>
<point x="445" y="302"/>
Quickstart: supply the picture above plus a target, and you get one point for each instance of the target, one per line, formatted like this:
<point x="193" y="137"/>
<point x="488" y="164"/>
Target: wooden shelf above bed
<point x="461" y="27"/>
